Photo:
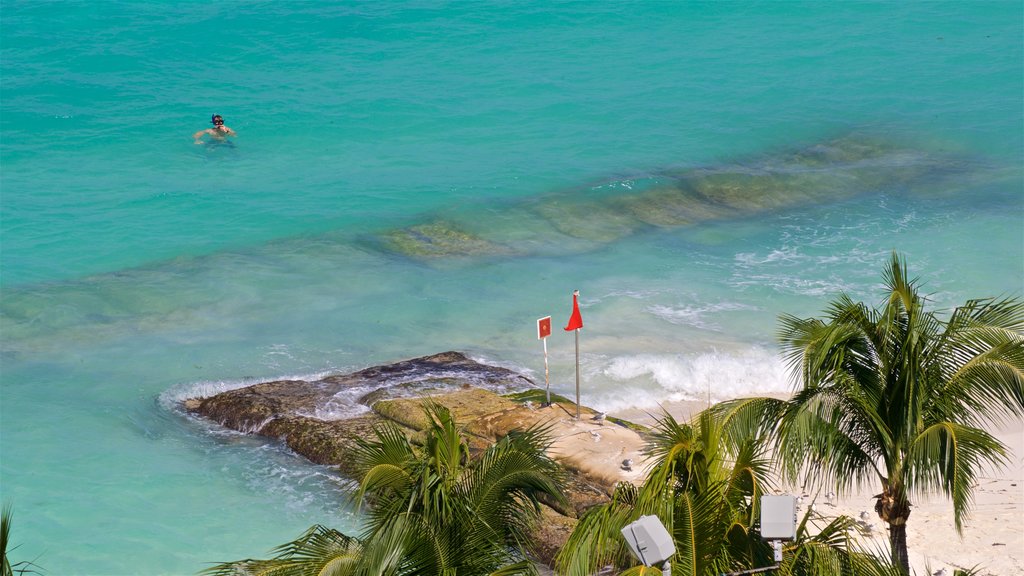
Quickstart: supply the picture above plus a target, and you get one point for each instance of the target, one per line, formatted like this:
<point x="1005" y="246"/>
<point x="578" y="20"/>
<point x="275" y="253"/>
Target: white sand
<point x="594" y="446"/>
<point x="993" y="536"/>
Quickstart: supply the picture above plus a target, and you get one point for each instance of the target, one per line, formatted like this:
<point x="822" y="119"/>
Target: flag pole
<point x="577" y="373"/>
<point x="547" y="381"/>
<point x="543" y="331"/>
<point x="574" y="325"/>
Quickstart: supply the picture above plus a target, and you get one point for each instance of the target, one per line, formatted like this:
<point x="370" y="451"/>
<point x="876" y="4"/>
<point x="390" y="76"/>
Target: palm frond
<point x="597" y="541"/>
<point x="445" y="448"/>
<point x="686" y="532"/>
<point x="384" y="476"/>
<point x="250" y="567"/>
<point x="701" y="526"/>
<point x="818" y="444"/>
<point x="981" y="357"/>
<point x="7" y="568"/>
<point x="387" y="546"/>
<point x="391" y="447"/>
<point x="457" y="514"/>
<point x="521" y="568"/>
<point x="5" y="532"/>
<point x="506" y="484"/>
<point x="320" y="551"/>
<point x="949" y="456"/>
<point x="749" y="419"/>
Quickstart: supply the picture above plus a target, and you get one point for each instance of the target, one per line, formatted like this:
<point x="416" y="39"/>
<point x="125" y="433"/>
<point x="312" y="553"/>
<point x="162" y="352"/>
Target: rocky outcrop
<point x="323" y="419"/>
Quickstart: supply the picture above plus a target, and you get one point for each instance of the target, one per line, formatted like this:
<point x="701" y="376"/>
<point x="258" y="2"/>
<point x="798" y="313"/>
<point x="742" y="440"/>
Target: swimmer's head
<point x="217" y="120"/>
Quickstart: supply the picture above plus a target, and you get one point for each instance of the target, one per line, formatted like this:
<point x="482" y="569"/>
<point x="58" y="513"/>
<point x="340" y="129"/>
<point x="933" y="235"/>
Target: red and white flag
<point x="544" y="327"/>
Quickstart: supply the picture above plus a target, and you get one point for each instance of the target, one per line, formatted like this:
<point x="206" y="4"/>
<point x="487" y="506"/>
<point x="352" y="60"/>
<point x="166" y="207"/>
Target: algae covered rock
<point x="596" y="220"/>
<point x="324" y="442"/>
<point x="440" y="240"/>
<point x="674" y="206"/>
<point x="752" y="192"/>
<point x="249" y="409"/>
<point x="467" y="405"/>
<point x="586" y="218"/>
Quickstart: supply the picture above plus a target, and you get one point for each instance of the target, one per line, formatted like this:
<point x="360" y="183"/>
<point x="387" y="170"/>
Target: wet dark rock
<point x="251" y="408"/>
<point x="324" y="442"/>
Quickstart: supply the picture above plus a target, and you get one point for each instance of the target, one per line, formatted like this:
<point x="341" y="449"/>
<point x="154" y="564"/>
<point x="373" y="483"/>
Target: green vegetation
<point x="433" y="509"/>
<point x="537" y="396"/>
<point x="705" y="487"/>
<point x="896" y="396"/>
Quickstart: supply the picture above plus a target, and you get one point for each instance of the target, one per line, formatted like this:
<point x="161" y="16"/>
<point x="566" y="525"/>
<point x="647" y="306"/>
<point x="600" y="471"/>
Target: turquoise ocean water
<point x="414" y="177"/>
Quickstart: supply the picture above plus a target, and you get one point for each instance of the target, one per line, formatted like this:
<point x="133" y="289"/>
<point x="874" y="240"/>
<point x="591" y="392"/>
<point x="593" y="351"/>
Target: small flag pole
<point x="547" y="381"/>
<point x="575" y="323"/>
<point x="543" y="331"/>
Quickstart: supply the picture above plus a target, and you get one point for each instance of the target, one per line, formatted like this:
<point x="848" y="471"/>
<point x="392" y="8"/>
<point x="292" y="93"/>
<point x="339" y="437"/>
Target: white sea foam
<point x="344" y="404"/>
<point x="301" y="486"/>
<point x="633" y="294"/>
<point x="786" y="254"/>
<point x="797" y="269"/>
<point x="646" y="380"/>
<point x="697" y="316"/>
<point x="814" y="287"/>
<point x="174" y="396"/>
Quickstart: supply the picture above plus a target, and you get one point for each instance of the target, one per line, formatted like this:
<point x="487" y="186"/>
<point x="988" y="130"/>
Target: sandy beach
<point x="993" y="537"/>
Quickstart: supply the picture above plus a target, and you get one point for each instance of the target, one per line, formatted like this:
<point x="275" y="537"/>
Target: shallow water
<point x="139" y="269"/>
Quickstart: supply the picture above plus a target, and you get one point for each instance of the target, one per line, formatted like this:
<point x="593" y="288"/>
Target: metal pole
<point x="666" y="570"/>
<point x="577" y="373"/>
<point x="547" y="381"/>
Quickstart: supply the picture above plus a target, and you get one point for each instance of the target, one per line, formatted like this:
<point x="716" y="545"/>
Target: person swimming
<point x="218" y="132"/>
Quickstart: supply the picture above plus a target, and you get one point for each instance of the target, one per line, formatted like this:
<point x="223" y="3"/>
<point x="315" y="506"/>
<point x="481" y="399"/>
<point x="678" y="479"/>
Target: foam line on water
<point x="696" y="316"/>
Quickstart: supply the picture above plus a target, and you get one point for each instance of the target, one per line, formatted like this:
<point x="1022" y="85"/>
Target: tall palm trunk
<point x="898" y="546"/>
<point x="893" y="508"/>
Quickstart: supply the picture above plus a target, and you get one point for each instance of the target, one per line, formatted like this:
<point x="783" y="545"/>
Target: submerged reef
<point x="440" y="240"/>
<point x="582" y="219"/>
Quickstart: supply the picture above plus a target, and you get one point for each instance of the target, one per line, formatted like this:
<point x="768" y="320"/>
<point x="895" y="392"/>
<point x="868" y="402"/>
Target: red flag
<point x="575" y="321"/>
<point x="544" y="327"/>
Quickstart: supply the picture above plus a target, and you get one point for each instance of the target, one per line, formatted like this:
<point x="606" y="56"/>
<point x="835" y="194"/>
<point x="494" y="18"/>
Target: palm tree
<point x="320" y="550"/>
<point x="705" y="486"/>
<point x="432" y="508"/>
<point x="468" y="516"/>
<point x="897" y="396"/>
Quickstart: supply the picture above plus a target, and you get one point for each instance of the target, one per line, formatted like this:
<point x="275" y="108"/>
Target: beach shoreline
<point x="992" y="540"/>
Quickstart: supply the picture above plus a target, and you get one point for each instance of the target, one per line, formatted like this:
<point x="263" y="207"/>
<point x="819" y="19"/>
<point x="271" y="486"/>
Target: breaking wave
<point x="644" y="381"/>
